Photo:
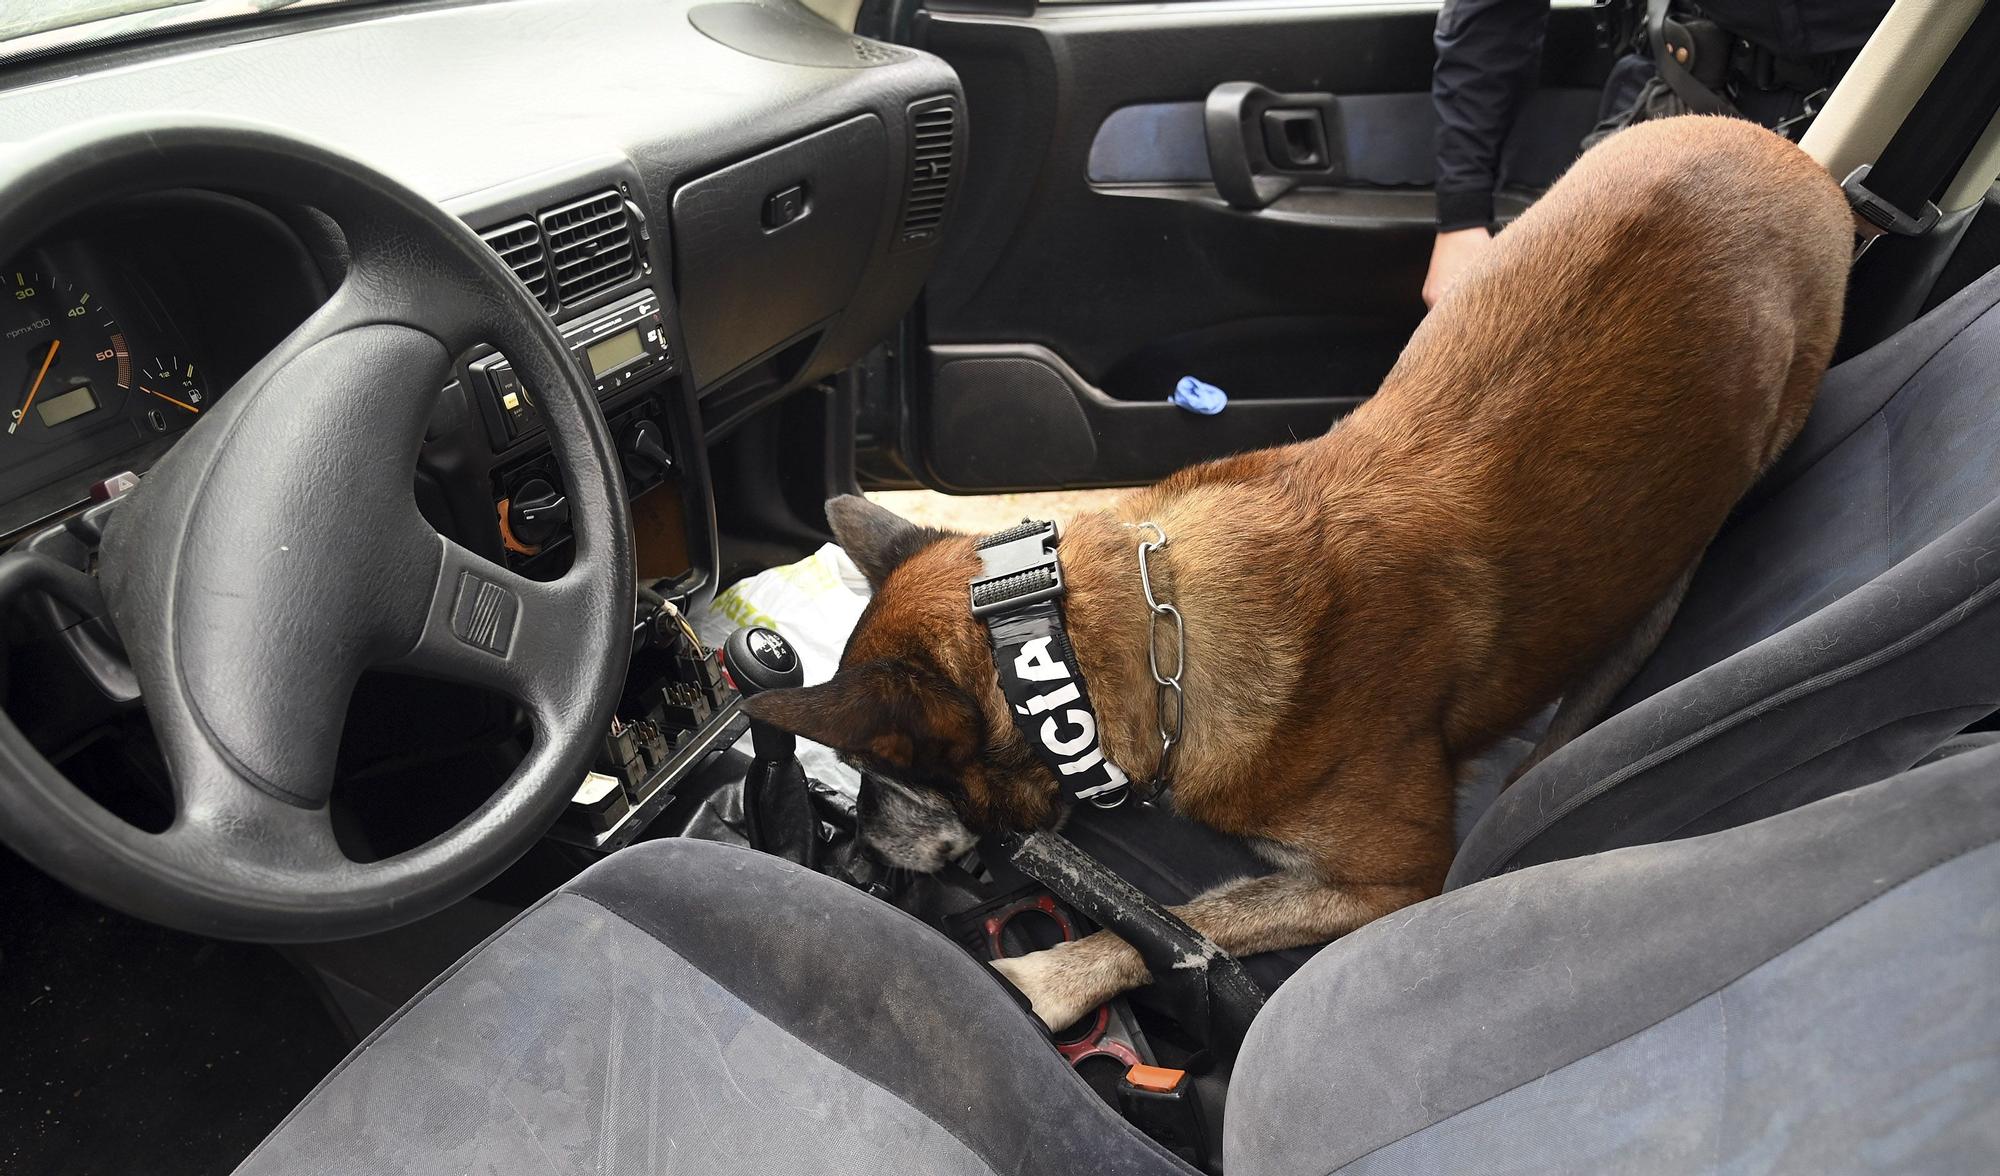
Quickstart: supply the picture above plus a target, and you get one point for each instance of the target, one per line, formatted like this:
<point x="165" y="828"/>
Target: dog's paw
<point x="1061" y="983"/>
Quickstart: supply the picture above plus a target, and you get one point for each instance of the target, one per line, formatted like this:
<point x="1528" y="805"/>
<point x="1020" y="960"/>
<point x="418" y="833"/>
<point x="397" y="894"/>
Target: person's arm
<point x="1488" y="54"/>
<point x="1452" y="253"/>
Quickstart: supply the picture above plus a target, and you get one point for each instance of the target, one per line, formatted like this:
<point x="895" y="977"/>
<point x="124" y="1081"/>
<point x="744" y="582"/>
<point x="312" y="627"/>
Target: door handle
<point x="1262" y="144"/>
<point x="1295" y="138"/>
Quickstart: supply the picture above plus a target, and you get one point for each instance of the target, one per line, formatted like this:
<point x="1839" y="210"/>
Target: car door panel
<point x="1093" y="260"/>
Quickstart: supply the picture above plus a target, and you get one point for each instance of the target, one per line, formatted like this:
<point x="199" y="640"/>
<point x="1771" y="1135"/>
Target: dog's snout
<point x="909" y="828"/>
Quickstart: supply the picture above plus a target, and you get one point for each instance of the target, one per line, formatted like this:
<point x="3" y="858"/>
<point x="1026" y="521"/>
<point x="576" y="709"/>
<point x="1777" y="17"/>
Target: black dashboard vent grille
<point x="519" y="244"/>
<point x="591" y="245"/>
<point x="933" y="136"/>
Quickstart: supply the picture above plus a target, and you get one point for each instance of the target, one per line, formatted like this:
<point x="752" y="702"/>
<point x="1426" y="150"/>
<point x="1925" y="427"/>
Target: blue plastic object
<point x="1195" y="396"/>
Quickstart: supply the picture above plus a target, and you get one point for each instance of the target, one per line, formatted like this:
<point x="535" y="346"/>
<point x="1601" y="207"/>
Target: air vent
<point x="519" y="244"/>
<point x="591" y="245"/>
<point x="933" y="128"/>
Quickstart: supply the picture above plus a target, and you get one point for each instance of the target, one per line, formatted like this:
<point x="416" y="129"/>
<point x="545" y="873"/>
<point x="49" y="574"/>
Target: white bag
<point x="815" y="603"/>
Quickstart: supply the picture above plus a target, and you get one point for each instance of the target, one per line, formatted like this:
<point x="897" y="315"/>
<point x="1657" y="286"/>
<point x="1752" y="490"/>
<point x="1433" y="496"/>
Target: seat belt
<point x="1897" y="193"/>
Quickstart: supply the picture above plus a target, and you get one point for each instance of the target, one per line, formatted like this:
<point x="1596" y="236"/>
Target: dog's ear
<point x="877" y="539"/>
<point x="892" y="711"/>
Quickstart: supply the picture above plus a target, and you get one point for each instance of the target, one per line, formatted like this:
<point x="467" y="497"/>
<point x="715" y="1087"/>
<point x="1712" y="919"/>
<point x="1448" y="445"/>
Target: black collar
<point x="1018" y="594"/>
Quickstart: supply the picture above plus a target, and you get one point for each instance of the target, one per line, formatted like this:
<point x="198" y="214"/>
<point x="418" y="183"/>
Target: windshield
<point x="39" y="25"/>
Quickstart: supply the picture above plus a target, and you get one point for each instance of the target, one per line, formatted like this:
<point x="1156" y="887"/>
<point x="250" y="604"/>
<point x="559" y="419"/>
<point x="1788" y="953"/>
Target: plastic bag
<point x="815" y="603"/>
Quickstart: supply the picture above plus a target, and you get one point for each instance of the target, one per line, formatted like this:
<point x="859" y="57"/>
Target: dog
<point x="1511" y="518"/>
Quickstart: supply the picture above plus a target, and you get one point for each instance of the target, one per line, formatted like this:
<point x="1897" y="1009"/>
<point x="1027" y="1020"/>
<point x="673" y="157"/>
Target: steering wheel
<point x="276" y="553"/>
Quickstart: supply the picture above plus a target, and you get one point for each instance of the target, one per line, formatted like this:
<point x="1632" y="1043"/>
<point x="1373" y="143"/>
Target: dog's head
<point x="915" y="704"/>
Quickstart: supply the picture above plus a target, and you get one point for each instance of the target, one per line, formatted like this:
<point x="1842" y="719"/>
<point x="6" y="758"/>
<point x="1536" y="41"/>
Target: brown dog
<point x="1510" y="518"/>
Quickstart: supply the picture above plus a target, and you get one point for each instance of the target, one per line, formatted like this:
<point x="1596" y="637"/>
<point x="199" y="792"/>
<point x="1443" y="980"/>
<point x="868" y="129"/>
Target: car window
<point x="55" y="24"/>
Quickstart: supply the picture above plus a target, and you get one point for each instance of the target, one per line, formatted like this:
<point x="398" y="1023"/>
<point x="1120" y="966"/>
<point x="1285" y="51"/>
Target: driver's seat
<point x="1813" y="992"/>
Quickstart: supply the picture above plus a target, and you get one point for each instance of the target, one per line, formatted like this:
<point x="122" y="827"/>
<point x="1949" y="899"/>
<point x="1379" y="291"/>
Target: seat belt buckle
<point x="1163" y="1103"/>
<point x="1879" y="213"/>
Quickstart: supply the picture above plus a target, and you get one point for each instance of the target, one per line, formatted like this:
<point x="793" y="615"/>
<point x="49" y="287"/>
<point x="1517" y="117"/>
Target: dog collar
<point x="1018" y="595"/>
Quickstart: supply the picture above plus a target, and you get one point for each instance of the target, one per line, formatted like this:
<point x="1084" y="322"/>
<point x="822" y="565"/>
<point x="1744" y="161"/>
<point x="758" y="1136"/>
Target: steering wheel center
<point x="280" y="552"/>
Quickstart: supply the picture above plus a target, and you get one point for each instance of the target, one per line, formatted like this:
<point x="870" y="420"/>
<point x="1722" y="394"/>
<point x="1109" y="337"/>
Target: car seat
<point x="1808" y="993"/>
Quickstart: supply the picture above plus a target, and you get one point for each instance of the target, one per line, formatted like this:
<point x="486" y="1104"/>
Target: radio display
<point x="611" y="354"/>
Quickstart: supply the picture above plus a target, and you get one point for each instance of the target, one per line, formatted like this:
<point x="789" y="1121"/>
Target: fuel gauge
<point x="176" y="388"/>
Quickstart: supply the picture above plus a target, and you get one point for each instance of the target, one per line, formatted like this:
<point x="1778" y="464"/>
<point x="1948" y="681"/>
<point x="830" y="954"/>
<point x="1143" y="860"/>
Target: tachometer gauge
<point x="172" y="384"/>
<point x="70" y="353"/>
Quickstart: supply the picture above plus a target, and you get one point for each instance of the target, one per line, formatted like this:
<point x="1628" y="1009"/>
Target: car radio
<point x="617" y="346"/>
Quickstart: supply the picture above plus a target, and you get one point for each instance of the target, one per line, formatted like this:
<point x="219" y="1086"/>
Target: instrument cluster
<point x="118" y="336"/>
<point x="76" y="392"/>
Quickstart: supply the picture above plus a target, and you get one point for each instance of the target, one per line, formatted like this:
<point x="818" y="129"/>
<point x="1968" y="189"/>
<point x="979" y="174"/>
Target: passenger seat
<point x="1844" y="626"/>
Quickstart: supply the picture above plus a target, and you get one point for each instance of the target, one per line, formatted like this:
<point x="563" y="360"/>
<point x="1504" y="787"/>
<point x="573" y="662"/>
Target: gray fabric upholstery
<point x="1958" y="745"/>
<point x="1724" y="1085"/>
<point x="1813" y="992"/>
<point x="1809" y="992"/>
<point x="888" y="997"/>
<point x="1841" y="627"/>
<point x="692" y="1007"/>
<point x="581" y="1044"/>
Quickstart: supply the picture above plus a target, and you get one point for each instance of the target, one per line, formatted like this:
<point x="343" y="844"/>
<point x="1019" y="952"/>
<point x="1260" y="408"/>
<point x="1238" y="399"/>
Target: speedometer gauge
<point x="70" y="354"/>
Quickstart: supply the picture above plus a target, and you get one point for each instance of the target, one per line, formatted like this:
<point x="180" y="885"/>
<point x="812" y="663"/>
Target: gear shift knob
<point x="759" y="660"/>
<point x="777" y="811"/>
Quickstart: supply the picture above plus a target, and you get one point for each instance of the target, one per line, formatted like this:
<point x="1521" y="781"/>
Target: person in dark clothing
<point x="1768" y="60"/>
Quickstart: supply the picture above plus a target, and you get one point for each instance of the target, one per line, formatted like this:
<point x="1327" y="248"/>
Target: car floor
<point x="132" y="1048"/>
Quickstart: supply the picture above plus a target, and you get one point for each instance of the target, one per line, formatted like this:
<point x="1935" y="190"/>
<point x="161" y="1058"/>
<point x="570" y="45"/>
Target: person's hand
<point x="1451" y="256"/>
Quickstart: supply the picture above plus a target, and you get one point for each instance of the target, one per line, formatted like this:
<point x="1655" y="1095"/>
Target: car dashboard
<point x="717" y="204"/>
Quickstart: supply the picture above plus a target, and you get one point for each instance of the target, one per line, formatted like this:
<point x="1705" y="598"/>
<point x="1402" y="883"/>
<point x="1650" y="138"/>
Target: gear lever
<point x="777" y="809"/>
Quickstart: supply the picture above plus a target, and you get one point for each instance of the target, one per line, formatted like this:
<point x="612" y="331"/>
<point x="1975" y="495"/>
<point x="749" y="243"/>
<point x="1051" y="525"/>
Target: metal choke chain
<point x="1169" y="701"/>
